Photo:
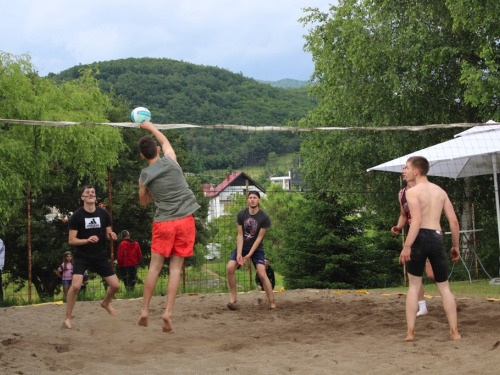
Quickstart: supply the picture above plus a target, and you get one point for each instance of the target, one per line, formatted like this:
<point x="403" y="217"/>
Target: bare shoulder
<point x="438" y="189"/>
<point x="414" y="191"/>
<point x="438" y="195"/>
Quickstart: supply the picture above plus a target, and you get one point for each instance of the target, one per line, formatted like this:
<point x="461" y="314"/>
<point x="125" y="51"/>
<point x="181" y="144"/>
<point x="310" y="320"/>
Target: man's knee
<point x="231" y="267"/>
<point x="113" y="282"/>
<point x="75" y="288"/>
<point x="262" y="275"/>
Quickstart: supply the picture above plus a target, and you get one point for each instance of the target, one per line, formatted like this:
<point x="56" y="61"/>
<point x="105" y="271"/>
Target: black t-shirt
<point x="90" y="224"/>
<point x="251" y="226"/>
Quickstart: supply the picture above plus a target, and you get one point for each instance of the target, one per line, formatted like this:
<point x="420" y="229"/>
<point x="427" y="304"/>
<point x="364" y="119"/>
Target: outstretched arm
<point x="162" y="140"/>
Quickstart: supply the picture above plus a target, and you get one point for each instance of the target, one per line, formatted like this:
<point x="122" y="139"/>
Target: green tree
<point x="389" y="63"/>
<point x="53" y="161"/>
<point x="322" y="247"/>
<point x="32" y="153"/>
<point x="280" y="206"/>
<point x="480" y="73"/>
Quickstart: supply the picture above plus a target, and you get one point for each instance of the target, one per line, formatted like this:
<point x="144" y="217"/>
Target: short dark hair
<point x="420" y="163"/>
<point x="86" y="187"/>
<point x="148" y="147"/>
<point x="125" y="233"/>
<point x="254" y="192"/>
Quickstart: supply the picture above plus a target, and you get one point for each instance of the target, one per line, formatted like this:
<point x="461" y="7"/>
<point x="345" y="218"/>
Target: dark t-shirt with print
<point x="251" y="226"/>
<point x="90" y="224"/>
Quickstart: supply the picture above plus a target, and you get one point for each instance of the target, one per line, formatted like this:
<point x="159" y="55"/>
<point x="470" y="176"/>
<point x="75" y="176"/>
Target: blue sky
<point x="261" y="39"/>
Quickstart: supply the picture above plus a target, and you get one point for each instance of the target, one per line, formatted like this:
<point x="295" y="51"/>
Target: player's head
<point x="148" y="147"/>
<point x="87" y="194"/>
<point x="266" y="262"/>
<point x="253" y="199"/>
<point x="418" y="163"/>
<point x="125" y="234"/>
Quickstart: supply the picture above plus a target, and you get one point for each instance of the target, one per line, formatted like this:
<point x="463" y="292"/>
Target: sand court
<point x="310" y="332"/>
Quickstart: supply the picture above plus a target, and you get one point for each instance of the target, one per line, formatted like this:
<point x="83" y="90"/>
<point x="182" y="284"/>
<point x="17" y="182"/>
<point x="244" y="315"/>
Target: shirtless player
<point x="405" y="219"/>
<point x="425" y="240"/>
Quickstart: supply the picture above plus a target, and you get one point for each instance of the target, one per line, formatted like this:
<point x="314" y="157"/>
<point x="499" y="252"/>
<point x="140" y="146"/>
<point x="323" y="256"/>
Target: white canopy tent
<point x="473" y="152"/>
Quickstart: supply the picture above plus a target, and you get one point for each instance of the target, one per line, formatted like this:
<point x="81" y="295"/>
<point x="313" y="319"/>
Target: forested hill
<point x="180" y="92"/>
<point x="286" y="83"/>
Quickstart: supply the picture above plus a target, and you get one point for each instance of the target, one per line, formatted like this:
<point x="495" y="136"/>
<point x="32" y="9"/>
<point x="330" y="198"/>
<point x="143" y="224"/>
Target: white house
<point x="220" y="196"/>
<point x="290" y="181"/>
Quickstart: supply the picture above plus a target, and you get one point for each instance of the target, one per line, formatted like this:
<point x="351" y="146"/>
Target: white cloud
<point x="260" y="38"/>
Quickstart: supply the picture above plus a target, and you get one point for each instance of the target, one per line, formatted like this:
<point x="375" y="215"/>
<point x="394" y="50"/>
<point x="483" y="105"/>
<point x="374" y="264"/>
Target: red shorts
<point x="174" y="237"/>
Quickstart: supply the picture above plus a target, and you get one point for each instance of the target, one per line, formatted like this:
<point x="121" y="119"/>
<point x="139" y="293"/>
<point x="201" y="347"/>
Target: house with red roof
<point x="221" y="195"/>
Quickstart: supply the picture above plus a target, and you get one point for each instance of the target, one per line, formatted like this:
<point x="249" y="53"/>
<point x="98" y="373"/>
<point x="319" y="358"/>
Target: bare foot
<point x="272" y="305"/>
<point x="455" y="336"/>
<point x="410" y="336"/>
<point x="109" y="309"/>
<point x="143" y="321"/>
<point x="67" y="323"/>
<point x="167" y="325"/>
<point x="233" y="306"/>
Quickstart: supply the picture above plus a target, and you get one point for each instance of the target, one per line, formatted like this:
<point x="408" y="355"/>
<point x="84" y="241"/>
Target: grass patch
<point x="480" y="288"/>
<point x="284" y="163"/>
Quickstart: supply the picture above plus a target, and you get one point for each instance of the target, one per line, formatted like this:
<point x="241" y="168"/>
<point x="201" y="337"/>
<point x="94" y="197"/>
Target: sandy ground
<point x="311" y="332"/>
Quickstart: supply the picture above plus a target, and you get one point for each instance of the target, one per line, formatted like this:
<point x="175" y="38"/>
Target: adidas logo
<point x="92" y="222"/>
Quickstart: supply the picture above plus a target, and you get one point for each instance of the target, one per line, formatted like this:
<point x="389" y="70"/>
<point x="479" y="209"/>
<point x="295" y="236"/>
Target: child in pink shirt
<point x="65" y="272"/>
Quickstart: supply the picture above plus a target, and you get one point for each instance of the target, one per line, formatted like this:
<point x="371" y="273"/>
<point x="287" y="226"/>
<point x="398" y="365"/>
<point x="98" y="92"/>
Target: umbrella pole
<point x="474" y="243"/>
<point x="494" y="162"/>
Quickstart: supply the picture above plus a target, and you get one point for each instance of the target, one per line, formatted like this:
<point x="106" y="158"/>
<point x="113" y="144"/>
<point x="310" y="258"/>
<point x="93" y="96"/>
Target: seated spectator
<point x="269" y="273"/>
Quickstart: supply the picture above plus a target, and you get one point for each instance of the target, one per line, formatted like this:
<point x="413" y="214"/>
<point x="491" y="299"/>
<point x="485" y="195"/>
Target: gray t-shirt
<point x="173" y="198"/>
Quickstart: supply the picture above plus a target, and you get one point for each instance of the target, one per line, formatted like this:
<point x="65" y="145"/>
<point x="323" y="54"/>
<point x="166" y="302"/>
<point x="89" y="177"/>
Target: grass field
<point x="283" y="163"/>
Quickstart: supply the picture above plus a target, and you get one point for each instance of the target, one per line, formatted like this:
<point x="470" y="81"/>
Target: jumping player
<point x="173" y="226"/>
<point x="89" y="227"/>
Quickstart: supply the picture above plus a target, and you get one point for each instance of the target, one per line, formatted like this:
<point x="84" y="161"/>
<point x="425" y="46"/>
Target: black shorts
<point x="99" y="264"/>
<point x="429" y="244"/>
